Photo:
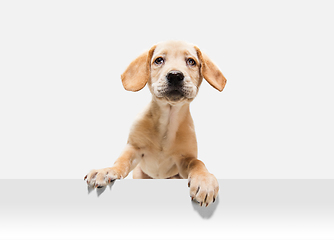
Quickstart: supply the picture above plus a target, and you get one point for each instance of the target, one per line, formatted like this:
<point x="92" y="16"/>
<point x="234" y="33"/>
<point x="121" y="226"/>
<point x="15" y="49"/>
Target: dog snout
<point x="175" y="77"/>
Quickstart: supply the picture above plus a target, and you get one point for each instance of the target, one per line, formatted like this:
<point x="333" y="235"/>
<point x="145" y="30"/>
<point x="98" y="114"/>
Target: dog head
<point x="173" y="70"/>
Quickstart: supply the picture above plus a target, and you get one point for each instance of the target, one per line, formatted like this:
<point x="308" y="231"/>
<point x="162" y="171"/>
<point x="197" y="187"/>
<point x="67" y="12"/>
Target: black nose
<point x="175" y="77"/>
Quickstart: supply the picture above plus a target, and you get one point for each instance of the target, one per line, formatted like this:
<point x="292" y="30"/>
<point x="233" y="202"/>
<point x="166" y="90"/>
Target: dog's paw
<point x="204" y="188"/>
<point x="102" y="177"/>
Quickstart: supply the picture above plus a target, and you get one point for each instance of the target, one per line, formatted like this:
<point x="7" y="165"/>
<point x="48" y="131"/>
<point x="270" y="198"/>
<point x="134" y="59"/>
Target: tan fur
<point x="211" y="72"/>
<point x="162" y="141"/>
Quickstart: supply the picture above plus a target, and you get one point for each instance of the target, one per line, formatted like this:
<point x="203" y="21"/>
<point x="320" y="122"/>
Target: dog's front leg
<point x="203" y="185"/>
<point x="121" y="168"/>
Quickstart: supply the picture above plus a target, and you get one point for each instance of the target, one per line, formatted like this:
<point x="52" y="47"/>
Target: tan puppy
<point x="162" y="141"/>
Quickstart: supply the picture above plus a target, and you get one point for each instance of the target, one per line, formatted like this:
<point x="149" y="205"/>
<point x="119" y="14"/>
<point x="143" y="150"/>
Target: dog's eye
<point x="159" y="61"/>
<point x="191" y="62"/>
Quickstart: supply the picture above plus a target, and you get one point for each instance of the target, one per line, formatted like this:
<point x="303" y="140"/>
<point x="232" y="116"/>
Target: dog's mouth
<point x="174" y="94"/>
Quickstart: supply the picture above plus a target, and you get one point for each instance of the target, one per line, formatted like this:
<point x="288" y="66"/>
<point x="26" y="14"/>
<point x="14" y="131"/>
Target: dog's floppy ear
<point x="211" y="72"/>
<point x="137" y="73"/>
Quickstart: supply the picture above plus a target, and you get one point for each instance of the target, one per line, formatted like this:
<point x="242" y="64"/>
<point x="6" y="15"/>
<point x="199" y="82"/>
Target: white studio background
<point x="63" y="110"/>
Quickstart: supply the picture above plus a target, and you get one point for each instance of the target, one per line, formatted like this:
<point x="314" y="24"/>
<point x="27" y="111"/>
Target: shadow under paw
<point x="205" y="212"/>
<point x="100" y="190"/>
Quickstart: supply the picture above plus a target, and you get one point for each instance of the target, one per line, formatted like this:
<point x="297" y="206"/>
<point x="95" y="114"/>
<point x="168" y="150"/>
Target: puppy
<point x="162" y="141"/>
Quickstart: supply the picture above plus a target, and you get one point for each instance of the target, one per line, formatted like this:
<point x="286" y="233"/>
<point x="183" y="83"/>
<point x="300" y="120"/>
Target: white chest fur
<point x="159" y="162"/>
